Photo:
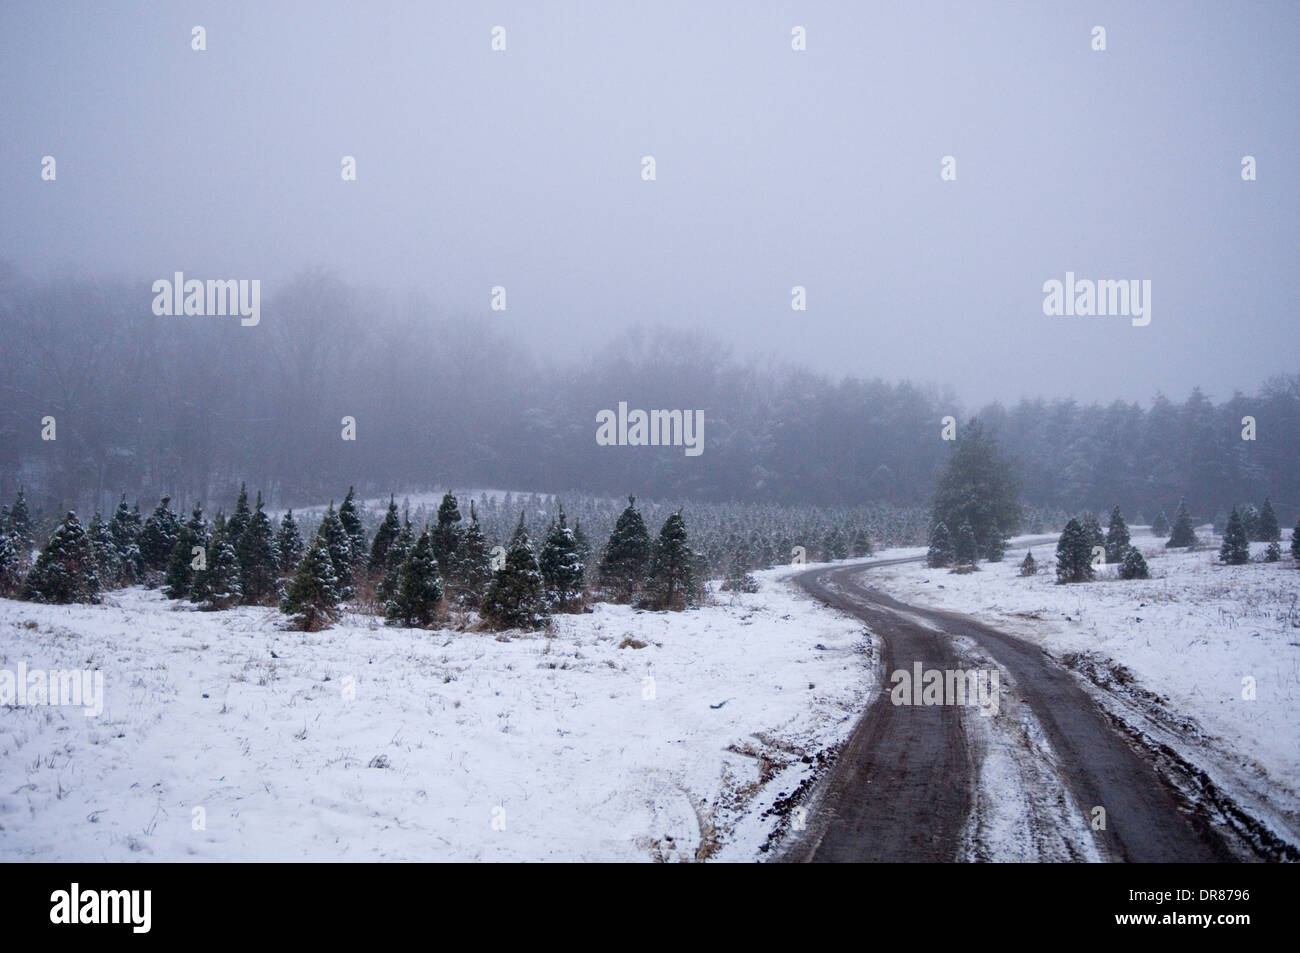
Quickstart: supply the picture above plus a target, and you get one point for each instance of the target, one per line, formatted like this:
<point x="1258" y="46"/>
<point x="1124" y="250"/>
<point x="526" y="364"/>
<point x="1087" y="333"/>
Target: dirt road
<point x="904" y="784"/>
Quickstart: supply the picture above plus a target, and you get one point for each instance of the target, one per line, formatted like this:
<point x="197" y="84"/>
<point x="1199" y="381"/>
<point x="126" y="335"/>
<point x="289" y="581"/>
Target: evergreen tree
<point x="580" y="539"/>
<point x="670" y="584"/>
<point x="218" y="586"/>
<point x="941" y="552"/>
<point x="124" y="528"/>
<point x="1074" y="554"/>
<point x="833" y="547"/>
<point x="1160" y="525"/>
<point x="1028" y="567"/>
<point x="12" y="566"/>
<point x="20" y="525"/>
<point x="239" y="519"/>
<point x="1183" y="533"/>
<point x="473" y="568"/>
<point x="515" y="598"/>
<point x="1117" y="537"/>
<point x="1133" y="566"/>
<point x="861" y="545"/>
<point x="419" y="589"/>
<point x="350" y="518"/>
<point x="388" y="531"/>
<point x="964" y="547"/>
<point x="1092" y="529"/>
<point x="447" y="533"/>
<point x="288" y="544"/>
<point x="1268" y="530"/>
<point x="395" y="559"/>
<point x="561" y="567"/>
<point x="108" y="565"/>
<point x="158" y="537"/>
<point x="1236" y="544"/>
<point x="1273" y="553"/>
<point x="313" y="597"/>
<point x="627" y="555"/>
<point x="258" y="566"/>
<point x="339" y="547"/>
<point x="977" y="486"/>
<point x="995" y="546"/>
<point x="1250" y="521"/>
<point x="179" y="577"/>
<point x="65" y="569"/>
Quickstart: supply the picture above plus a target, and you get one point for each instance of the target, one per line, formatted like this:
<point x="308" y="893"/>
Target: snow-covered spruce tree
<point x="833" y="546"/>
<point x="339" y="547"/>
<point x="579" y="539"/>
<point x="1160" y="525"/>
<point x="418" y="590"/>
<point x="1183" y="533"/>
<point x="977" y="486"/>
<point x="288" y="545"/>
<point x="515" y="598"/>
<point x="179" y="577"/>
<point x="1250" y="520"/>
<point x="995" y="545"/>
<point x="447" y="532"/>
<point x="259" y="567"/>
<point x="627" y="555"/>
<point x="1028" y="567"/>
<point x="65" y="569"/>
<point x="1117" y="537"/>
<point x="12" y="567"/>
<point x="472" y="572"/>
<point x="861" y="544"/>
<point x="964" y="548"/>
<point x="350" y="518"/>
<point x="738" y="578"/>
<point x="1092" y="529"/>
<point x="1268" y="530"/>
<point x="1073" y="554"/>
<point x="20" y="525"/>
<point x="108" y="565"/>
<point x="125" y="528"/>
<point x="561" y="567"/>
<point x="312" y="602"/>
<point x="1133" y="566"/>
<point x="388" y="530"/>
<point x="238" y="521"/>
<point x="394" y="559"/>
<point x="158" y="537"/>
<point x="670" y="584"/>
<point x="217" y="585"/>
<point x="1235" y="550"/>
<point x="941" y="552"/>
<point x="1273" y="553"/>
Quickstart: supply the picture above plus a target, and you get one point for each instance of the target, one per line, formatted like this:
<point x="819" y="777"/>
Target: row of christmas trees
<point x="246" y="559"/>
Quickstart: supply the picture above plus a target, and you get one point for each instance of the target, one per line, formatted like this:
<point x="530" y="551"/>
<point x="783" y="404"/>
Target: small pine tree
<point x="833" y="547"/>
<point x="65" y="569"/>
<point x="339" y="546"/>
<point x="1092" y="529"/>
<point x="447" y="532"/>
<point x="288" y="544"/>
<point x="258" y="566"/>
<point x="108" y="565"/>
<point x="561" y="567"/>
<point x="12" y="566"/>
<point x="158" y="537"/>
<point x="941" y="552"/>
<point x="670" y="585"/>
<point x="627" y="555"/>
<point x="1160" y="525"/>
<point x="395" y="559"/>
<point x="515" y="598"/>
<point x="473" y="568"/>
<point x="1117" y="537"/>
<point x="125" y="528"/>
<point x="1250" y="521"/>
<point x="965" y="549"/>
<point x="313" y="598"/>
<point x="1183" y="533"/>
<point x="1073" y="554"/>
<point x="238" y="521"/>
<point x="1236" y="544"/>
<point x="1028" y="567"/>
<point x="1133" y="566"/>
<point x="861" y="544"/>
<point x="350" y="518"/>
<point x="218" y="585"/>
<point x="388" y="531"/>
<point x="179" y="577"/>
<point x="419" y="589"/>
<point x="1267" y="529"/>
<point x="1273" y="553"/>
<point x="995" y="547"/>
<point x="19" y="524"/>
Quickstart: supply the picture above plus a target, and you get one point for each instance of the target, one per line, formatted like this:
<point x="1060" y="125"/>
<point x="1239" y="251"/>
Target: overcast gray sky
<point x="775" y="168"/>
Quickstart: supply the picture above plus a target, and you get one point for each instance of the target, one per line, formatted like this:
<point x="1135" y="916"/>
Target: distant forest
<point x="190" y="406"/>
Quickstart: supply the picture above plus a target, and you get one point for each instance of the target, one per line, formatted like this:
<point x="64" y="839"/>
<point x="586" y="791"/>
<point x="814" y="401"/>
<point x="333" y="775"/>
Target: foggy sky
<point x="775" y="168"/>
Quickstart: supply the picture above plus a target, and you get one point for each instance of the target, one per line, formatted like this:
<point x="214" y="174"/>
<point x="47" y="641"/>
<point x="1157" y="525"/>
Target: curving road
<point x="903" y="785"/>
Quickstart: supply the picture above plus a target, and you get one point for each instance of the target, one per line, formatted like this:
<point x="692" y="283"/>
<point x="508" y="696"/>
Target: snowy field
<point x="224" y="737"/>
<point x="1167" y="654"/>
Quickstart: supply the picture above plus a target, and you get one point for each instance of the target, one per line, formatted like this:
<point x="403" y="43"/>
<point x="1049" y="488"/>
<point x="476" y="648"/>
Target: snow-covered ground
<point x="224" y="737"/>
<point x="1183" y="642"/>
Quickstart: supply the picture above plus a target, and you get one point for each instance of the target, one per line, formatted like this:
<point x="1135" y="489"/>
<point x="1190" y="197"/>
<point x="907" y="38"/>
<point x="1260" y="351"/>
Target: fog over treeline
<point x="191" y="406"/>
